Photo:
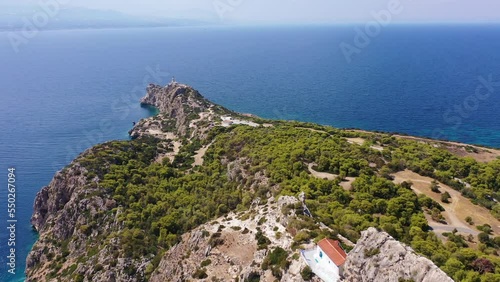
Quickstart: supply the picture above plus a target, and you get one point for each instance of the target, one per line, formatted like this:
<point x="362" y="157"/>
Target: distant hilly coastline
<point x="17" y="18"/>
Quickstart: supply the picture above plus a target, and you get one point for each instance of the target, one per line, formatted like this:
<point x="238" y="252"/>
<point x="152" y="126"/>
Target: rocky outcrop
<point x="227" y="248"/>
<point x="52" y="198"/>
<point x="71" y="214"/>
<point x="167" y="99"/>
<point x="377" y="257"/>
<point x="55" y="216"/>
<point x="179" y="105"/>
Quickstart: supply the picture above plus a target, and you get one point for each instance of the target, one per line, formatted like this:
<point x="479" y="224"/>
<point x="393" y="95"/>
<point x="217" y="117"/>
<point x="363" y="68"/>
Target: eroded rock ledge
<point x="377" y="257"/>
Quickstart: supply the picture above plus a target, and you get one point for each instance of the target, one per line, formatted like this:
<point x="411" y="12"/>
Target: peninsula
<point x="204" y="193"/>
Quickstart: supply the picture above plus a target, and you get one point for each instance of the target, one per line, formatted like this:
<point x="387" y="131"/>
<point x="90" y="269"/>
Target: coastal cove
<point x="53" y="111"/>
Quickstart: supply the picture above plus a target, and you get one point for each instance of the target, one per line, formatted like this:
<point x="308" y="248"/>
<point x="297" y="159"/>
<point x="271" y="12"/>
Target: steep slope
<point x="74" y="214"/>
<point x="227" y="249"/>
<point x="377" y="257"/>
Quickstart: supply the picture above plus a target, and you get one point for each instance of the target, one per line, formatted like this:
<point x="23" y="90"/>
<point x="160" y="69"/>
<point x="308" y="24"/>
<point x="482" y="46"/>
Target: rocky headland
<point x="82" y="219"/>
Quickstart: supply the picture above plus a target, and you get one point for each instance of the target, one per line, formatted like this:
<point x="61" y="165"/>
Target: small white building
<point x="326" y="260"/>
<point x="228" y="121"/>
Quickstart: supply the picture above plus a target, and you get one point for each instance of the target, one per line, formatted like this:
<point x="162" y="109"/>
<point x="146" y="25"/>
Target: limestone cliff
<point x="72" y="214"/>
<point x="52" y="198"/>
<point x="377" y="257"/>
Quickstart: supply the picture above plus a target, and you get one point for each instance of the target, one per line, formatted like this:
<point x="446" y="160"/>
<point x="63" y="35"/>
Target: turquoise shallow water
<point x="68" y="90"/>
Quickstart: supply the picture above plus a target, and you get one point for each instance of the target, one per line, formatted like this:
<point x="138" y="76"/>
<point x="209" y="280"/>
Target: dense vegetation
<point x="484" y="179"/>
<point x="374" y="201"/>
<point x="158" y="201"/>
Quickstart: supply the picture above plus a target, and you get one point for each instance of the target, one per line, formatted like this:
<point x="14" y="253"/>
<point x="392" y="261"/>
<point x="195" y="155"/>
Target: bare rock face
<point x="49" y="216"/>
<point x="377" y="257"/>
<point x="227" y="248"/>
<point x="65" y="213"/>
<point x="56" y="195"/>
<point x="164" y="98"/>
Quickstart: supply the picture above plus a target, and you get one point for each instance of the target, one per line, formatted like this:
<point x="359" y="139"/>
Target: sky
<point x="295" y="11"/>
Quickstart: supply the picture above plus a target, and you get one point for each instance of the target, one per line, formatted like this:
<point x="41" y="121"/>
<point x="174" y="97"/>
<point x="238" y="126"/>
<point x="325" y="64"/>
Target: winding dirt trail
<point x="322" y="175"/>
<point x="456" y="211"/>
<point x="346" y="183"/>
<point x="198" y="158"/>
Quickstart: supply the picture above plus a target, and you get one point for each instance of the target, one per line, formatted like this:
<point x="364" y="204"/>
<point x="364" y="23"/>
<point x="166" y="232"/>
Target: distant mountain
<point x="200" y="14"/>
<point x="14" y="18"/>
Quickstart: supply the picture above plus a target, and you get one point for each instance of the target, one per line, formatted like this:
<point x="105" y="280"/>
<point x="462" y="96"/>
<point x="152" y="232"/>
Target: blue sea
<point x="67" y="90"/>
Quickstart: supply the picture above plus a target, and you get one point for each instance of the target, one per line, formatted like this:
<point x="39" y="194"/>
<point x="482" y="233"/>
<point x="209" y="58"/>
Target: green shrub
<point x="262" y="220"/>
<point x="307" y="273"/>
<point x="253" y="277"/>
<point x="277" y="261"/>
<point x="200" y="273"/>
<point x="469" y="220"/>
<point x="98" y="267"/>
<point x="206" y="262"/>
<point x="445" y="197"/>
<point x="371" y="252"/>
<point x="262" y="240"/>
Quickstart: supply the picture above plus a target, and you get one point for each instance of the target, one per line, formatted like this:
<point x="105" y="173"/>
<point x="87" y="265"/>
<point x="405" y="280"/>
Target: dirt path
<point x="482" y="154"/>
<point x="313" y="130"/>
<point x="359" y="141"/>
<point x="198" y="158"/>
<point x="456" y="211"/>
<point x="160" y="134"/>
<point x="170" y="155"/>
<point x="177" y="147"/>
<point x="437" y="227"/>
<point x="166" y="136"/>
<point x="202" y="115"/>
<point x="321" y="175"/>
<point x="347" y="183"/>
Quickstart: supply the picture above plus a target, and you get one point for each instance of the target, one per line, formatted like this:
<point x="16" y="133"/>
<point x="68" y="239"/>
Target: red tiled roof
<point x="333" y="250"/>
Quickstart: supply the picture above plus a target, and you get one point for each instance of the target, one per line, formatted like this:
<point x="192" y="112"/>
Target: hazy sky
<point x="262" y="11"/>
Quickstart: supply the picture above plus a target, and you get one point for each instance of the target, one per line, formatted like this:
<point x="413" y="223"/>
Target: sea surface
<point x="67" y="90"/>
